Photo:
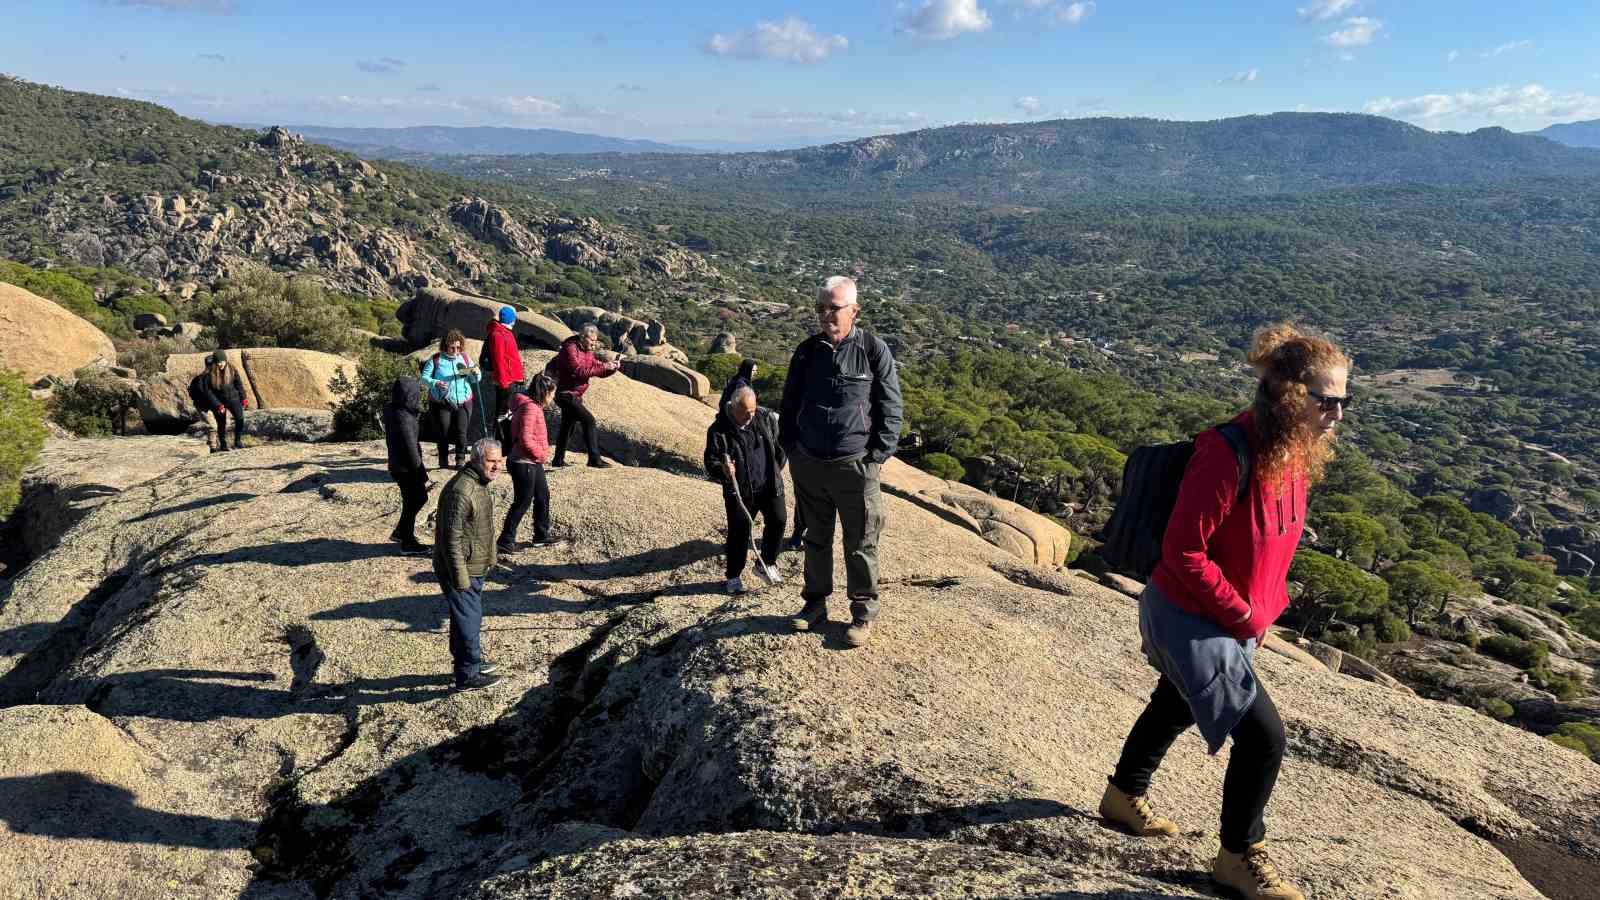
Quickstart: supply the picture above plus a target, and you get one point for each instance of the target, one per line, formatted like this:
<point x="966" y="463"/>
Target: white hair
<point x="739" y="393"/>
<point x="834" y="283"/>
<point x="481" y="448"/>
<point x="590" y="330"/>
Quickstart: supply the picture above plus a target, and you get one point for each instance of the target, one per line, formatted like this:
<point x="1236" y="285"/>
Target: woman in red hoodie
<point x="1221" y="582"/>
<point x="528" y="454"/>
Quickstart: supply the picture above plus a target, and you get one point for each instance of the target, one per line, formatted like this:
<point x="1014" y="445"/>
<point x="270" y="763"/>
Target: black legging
<point x="452" y="425"/>
<point x="236" y="409"/>
<point x="574" y="413"/>
<point x="771" y="509"/>
<point x="1252" y="767"/>
<point x="413" y="496"/>
<point x="528" y="486"/>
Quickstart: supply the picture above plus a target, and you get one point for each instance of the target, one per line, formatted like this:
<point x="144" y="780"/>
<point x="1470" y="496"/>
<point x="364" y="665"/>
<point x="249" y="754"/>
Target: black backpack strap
<point x="1240" y="442"/>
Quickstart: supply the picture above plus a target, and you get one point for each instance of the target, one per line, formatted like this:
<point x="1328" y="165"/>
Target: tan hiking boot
<point x="1134" y="814"/>
<point x="858" y="634"/>
<point x="812" y="616"/>
<point x="1253" y="874"/>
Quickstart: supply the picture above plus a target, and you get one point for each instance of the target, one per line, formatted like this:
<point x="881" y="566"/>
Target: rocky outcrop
<point x="1007" y="525"/>
<point x="493" y="225"/>
<point x="623" y="333"/>
<point x="433" y="311"/>
<point x="667" y="375"/>
<point x="649" y="726"/>
<point x="725" y="343"/>
<point x="41" y="338"/>
<point x="303" y="425"/>
<point x="274" y="378"/>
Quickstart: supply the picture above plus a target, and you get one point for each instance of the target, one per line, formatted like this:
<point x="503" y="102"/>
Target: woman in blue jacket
<point x="450" y="376"/>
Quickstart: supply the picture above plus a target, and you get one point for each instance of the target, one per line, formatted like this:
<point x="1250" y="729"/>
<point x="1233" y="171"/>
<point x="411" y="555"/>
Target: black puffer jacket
<point x="400" y="425"/>
<point x="722" y="440"/>
<point x="842" y="401"/>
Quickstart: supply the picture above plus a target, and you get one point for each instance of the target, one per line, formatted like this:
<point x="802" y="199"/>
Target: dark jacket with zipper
<point x="722" y="439"/>
<point x="844" y="401"/>
<point x="400" y="426"/>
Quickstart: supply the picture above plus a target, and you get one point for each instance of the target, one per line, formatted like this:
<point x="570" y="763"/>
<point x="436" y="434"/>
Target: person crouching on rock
<point x="450" y="377"/>
<point x="1221" y="582"/>
<point x="840" y="424"/>
<point x="405" y="460"/>
<point x="530" y="451"/>
<point x="742" y="452"/>
<point x="574" y="366"/>
<point x="463" y="553"/>
<point x="219" y="392"/>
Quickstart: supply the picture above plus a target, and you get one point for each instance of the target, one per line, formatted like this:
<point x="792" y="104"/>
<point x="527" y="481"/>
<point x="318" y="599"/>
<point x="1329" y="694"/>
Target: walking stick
<point x="750" y="532"/>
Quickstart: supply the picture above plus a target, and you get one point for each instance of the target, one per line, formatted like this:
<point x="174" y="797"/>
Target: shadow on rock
<point x="192" y="505"/>
<point x="73" y="805"/>
<point x="202" y="695"/>
<point x="311" y="552"/>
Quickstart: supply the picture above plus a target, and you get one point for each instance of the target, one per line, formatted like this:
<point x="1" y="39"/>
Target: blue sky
<point x="760" y="71"/>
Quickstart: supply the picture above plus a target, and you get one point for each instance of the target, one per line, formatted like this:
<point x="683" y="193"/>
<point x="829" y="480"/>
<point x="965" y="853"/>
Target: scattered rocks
<point x="433" y="311"/>
<point x="725" y="343"/>
<point x="301" y="425"/>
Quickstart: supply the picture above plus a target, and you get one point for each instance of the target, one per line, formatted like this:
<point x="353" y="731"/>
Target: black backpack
<point x="1150" y="481"/>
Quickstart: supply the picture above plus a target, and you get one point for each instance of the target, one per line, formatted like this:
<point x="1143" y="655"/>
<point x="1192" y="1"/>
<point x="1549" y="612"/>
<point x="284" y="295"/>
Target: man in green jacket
<point x="464" y="552"/>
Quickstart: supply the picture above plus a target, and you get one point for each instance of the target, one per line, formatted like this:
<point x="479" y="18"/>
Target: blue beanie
<point x="507" y="315"/>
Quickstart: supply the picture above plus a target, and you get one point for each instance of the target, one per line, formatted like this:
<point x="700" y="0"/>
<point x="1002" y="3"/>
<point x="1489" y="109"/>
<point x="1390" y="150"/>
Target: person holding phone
<point x="451" y="378"/>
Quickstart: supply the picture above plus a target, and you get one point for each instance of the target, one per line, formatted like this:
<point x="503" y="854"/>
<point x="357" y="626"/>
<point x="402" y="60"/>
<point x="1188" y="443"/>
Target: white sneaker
<point x="770" y="573"/>
<point x="735" y="586"/>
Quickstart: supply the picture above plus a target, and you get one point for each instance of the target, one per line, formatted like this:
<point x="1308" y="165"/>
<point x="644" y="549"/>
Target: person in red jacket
<point x="1221" y="582"/>
<point x="528" y="453"/>
<point x="503" y="364"/>
<point x="574" y="366"/>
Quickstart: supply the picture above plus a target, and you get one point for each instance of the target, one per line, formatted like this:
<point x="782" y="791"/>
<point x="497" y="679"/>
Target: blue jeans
<point x="466" y="616"/>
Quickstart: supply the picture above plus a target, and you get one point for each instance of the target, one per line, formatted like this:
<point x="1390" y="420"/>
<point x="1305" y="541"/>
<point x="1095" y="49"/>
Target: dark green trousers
<point x="846" y="491"/>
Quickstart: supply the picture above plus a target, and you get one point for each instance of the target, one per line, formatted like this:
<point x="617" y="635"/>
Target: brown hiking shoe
<point x="1253" y="874"/>
<point x="858" y="634"/>
<point x="812" y="616"/>
<point x="1134" y="814"/>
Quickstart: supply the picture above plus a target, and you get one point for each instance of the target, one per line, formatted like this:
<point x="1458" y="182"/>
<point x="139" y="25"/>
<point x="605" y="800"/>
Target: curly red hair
<point x="1286" y="361"/>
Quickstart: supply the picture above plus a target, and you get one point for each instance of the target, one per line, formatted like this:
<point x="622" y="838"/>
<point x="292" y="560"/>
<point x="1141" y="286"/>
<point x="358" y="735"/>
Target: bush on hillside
<point x="943" y="465"/>
<point x="1571" y="743"/>
<point x="356" y="414"/>
<point x="96" y="405"/>
<point x="135" y="304"/>
<point x="719" y="368"/>
<point x="22" y="434"/>
<point x="1495" y="707"/>
<point x="1391" y="629"/>
<point x="1583" y="732"/>
<point x="1520" y="653"/>
<point x="266" y="309"/>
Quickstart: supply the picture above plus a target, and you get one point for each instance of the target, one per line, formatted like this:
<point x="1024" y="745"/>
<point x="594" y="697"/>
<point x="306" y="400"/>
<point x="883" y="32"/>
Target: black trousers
<point x="774" y="519"/>
<point x="1253" y="764"/>
<point x="799" y="521"/>
<point x="529" y="487"/>
<point x="573" y="414"/>
<point x="236" y="409"/>
<point x="413" y="496"/>
<point x="452" y="424"/>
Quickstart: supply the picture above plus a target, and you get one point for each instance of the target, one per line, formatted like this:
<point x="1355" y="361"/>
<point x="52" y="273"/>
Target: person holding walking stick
<point x="743" y="454"/>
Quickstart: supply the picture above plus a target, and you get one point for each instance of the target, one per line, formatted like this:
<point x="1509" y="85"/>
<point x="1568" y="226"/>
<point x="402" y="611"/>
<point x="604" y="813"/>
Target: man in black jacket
<point x="405" y="460"/>
<point x="743" y="453"/>
<point x="840" y="423"/>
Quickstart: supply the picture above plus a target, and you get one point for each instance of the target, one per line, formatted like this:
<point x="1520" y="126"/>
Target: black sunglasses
<point x="1327" y="403"/>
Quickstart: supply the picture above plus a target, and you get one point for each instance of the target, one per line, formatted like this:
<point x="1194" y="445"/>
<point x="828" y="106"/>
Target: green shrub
<point x="1564" y="687"/>
<point x="1363" y="643"/>
<point x="1520" y="653"/>
<point x="136" y="304"/>
<point x="1496" y="708"/>
<point x="1571" y="743"/>
<point x="1514" y="627"/>
<point x="720" y="367"/>
<point x="943" y="465"/>
<point x="356" y="413"/>
<point x="94" y="406"/>
<point x="1392" y="630"/>
<point x="1588" y="735"/>
<point x="268" y="310"/>
<point x="22" y="434"/>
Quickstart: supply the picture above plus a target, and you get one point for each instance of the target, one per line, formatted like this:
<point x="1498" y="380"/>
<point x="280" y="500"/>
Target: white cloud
<point x="1505" y="103"/>
<point x="526" y="106"/>
<point x="1057" y="12"/>
<point x="792" y="40"/>
<point x="1028" y="105"/>
<point x="847" y="117"/>
<point x="1323" y="10"/>
<point x="381" y="66"/>
<point x="1244" y="77"/>
<point x="1507" y="47"/>
<point x="941" y="20"/>
<point x="1452" y="56"/>
<point x="1357" y="32"/>
<point x="1074" y="13"/>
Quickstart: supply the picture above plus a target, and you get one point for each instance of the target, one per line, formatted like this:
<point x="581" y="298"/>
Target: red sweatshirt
<point x="575" y="366"/>
<point x="529" y="439"/>
<point x="503" y="356"/>
<point x="1229" y="561"/>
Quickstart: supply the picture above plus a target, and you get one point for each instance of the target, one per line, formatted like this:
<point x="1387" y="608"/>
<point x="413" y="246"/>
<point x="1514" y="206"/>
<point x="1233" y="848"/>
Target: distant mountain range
<point x="474" y="141"/>
<point x="1071" y="158"/>
<point x="1574" y="134"/>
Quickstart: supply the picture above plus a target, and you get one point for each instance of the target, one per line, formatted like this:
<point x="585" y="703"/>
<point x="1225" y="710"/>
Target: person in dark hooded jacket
<point x="219" y="392"/>
<point x="405" y="460"/>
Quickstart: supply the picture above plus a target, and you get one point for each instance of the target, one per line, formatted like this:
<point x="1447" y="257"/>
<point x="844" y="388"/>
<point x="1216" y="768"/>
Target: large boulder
<point x="1007" y="525"/>
<point x="40" y="338"/>
<point x="302" y="425"/>
<point x="273" y="377"/>
<point x="667" y="375"/>
<point x="237" y="642"/>
<point x="433" y="311"/>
